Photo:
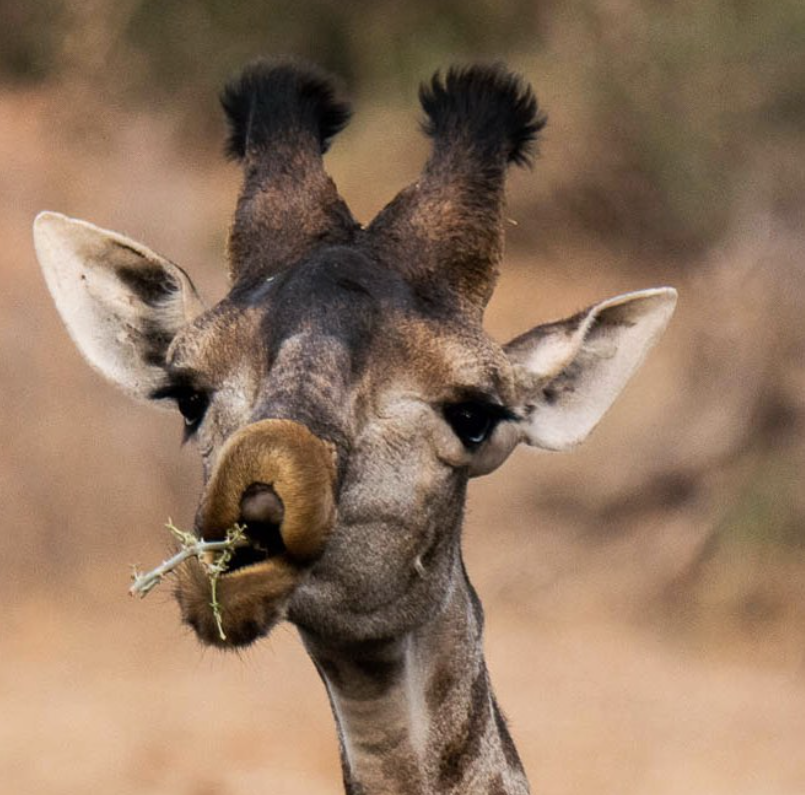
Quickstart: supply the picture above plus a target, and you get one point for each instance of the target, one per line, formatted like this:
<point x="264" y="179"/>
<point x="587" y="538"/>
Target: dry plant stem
<point x="198" y="548"/>
<point x="145" y="582"/>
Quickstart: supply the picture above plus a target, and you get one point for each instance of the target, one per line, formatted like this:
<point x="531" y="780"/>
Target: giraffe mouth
<point x="263" y="542"/>
<point x="250" y="596"/>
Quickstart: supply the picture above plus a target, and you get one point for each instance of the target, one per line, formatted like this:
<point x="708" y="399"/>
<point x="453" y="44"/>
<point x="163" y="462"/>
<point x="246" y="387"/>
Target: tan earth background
<point x="645" y="594"/>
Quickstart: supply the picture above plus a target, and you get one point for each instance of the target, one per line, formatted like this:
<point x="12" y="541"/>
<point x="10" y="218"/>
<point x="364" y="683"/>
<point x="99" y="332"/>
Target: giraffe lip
<point x="251" y="600"/>
<point x="264" y="566"/>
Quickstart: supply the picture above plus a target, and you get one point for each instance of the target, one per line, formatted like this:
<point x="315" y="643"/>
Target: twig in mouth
<point x="192" y="546"/>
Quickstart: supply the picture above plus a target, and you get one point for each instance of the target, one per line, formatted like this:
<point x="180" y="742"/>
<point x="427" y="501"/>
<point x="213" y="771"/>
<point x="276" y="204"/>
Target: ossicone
<point x="274" y="99"/>
<point x="282" y="115"/>
<point x="485" y="107"/>
<point x="446" y="230"/>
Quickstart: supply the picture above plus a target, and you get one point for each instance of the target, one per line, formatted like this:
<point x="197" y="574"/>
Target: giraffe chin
<point x="252" y="600"/>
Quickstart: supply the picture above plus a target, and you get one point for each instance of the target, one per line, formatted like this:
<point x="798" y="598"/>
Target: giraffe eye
<point x="192" y="406"/>
<point x="473" y="421"/>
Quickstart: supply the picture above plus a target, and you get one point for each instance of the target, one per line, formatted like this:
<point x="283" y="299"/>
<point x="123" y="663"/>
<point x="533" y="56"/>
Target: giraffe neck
<point x="416" y="714"/>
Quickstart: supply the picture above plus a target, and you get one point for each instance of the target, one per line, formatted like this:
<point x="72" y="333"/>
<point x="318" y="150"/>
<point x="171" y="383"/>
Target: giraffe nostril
<point x="260" y="504"/>
<point x="262" y="512"/>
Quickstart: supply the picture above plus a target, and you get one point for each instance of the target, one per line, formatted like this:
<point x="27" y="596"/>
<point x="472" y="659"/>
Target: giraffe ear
<point x="121" y="302"/>
<point x="569" y="373"/>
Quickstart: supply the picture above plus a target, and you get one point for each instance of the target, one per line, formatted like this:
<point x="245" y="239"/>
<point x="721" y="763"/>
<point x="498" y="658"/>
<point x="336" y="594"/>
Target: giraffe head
<point x="344" y="391"/>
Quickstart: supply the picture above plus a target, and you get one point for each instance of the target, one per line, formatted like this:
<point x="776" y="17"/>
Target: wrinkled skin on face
<point x="344" y="391"/>
<point x="369" y="370"/>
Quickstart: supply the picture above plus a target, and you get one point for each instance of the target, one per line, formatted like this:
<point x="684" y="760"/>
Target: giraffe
<point x="341" y="396"/>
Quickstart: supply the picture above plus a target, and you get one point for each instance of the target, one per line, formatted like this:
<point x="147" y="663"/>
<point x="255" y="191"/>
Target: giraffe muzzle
<point x="277" y="480"/>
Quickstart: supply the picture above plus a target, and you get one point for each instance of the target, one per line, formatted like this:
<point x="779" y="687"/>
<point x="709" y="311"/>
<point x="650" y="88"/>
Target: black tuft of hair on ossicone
<point x="278" y="100"/>
<point x="485" y="106"/>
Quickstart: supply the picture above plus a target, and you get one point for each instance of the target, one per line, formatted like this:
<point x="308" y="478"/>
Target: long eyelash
<point x="180" y="383"/>
<point x="500" y="413"/>
<point x="168" y="392"/>
<point x="496" y="410"/>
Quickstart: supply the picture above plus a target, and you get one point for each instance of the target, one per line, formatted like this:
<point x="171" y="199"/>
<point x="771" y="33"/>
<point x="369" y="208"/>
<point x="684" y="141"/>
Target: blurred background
<point x="645" y="594"/>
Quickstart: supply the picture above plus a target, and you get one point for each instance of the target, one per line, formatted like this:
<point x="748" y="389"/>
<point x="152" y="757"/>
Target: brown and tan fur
<point x="347" y="381"/>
